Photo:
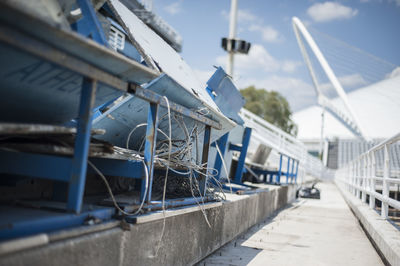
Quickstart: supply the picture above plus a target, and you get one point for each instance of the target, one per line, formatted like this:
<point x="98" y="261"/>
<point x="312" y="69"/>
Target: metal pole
<point x="150" y="149"/>
<point x="232" y="33"/>
<point x="373" y="175"/>
<point x="204" y="160"/>
<point x="321" y="141"/>
<point x="385" y="185"/>
<point x="364" y="179"/>
<point x="82" y="143"/>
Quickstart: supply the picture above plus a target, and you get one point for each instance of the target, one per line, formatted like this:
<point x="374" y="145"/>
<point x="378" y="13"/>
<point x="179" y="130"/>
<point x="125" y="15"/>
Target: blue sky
<point x="275" y="62"/>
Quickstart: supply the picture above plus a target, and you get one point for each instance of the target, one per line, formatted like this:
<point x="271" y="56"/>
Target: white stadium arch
<point x="347" y="117"/>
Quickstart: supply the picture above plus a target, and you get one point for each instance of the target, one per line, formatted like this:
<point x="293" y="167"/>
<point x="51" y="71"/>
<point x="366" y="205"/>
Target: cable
<point x="112" y="195"/>
<point x="166" y="173"/>
<point x="133" y="130"/>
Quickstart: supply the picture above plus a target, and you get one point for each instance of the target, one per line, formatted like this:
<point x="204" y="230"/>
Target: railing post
<point x="372" y="184"/>
<point x="359" y="178"/>
<point x="364" y="179"/>
<point x="294" y="171"/>
<point x="349" y="177"/>
<point x="354" y="178"/>
<point x="385" y="185"/>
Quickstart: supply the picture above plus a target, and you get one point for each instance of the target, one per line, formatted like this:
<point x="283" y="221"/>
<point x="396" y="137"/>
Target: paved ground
<point x="310" y="232"/>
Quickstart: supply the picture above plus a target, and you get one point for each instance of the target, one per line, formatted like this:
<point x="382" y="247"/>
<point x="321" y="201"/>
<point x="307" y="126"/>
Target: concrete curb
<point x="186" y="240"/>
<point x="384" y="235"/>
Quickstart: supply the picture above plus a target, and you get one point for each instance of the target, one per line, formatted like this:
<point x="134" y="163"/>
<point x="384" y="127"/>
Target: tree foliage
<point x="271" y="106"/>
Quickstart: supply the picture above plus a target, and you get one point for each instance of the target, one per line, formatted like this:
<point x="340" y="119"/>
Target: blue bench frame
<point x="72" y="170"/>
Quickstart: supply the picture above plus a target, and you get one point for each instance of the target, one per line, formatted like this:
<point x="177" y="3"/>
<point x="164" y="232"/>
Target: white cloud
<point x="397" y="2"/>
<point x="328" y="11"/>
<point x="290" y="66"/>
<point x="268" y="33"/>
<point x="259" y="60"/>
<point x="394" y="73"/>
<point x="203" y="75"/>
<point x="243" y="16"/>
<point x="254" y="23"/>
<point x="246" y="15"/>
<point x="173" y="8"/>
<point x="352" y="81"/>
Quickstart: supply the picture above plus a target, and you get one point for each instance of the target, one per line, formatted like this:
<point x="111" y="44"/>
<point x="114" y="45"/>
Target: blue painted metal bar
<point x="204" y="160"/>
<point x="297" y="169"/>
<point x="121" y="168"/>
<point x="81" y="150"/>
<point x="235" y="147"/>
<point x="269" y="175"/>
<point x="42" y="221"/>
<point x="288" y="170"/>
<point x="89" y="24"/>
<point x="221" y="144"/>
<point x="242" y="157"/>
<point x="28" y="164"/>
<point x="149" y="149"/>
<point x="278" y="177"/>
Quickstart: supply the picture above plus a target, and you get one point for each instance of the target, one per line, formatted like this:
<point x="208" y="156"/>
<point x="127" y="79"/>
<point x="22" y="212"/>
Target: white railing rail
<point x="361" y="178"/>
<point x="283" y="142"/>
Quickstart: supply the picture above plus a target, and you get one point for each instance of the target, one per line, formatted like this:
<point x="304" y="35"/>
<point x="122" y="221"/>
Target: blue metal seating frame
<point x="274" y="177"/>
<point x="73" y="170"/>
<point x="225" y="146"/>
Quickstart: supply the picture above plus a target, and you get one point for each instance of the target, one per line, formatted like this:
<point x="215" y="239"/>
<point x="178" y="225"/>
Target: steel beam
<point x="221" y="143"/>
<point x="82" y="143"/>
<point x="150" y="149"/>
<point x="204" y="160"/>
<point x="242" y="157"/>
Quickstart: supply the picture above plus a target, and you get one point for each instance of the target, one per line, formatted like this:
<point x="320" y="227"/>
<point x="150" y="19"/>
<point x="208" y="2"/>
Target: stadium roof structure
<point x="377" y="107"/>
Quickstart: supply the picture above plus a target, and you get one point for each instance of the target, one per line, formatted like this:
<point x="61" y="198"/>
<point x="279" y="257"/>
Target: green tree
<point x="271" y="106"/>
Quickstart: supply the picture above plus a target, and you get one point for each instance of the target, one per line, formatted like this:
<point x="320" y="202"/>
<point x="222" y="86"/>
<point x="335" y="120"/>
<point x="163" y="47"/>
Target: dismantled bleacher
<point x="101" y="119"/>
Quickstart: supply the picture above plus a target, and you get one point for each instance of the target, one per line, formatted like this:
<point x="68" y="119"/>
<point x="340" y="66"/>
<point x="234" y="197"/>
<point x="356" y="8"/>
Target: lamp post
<point x="232" y="33"/>
<point x="231" y="44"/>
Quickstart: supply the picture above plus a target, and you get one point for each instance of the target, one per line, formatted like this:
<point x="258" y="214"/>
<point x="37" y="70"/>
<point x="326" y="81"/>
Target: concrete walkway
<point x="310" y="232"/>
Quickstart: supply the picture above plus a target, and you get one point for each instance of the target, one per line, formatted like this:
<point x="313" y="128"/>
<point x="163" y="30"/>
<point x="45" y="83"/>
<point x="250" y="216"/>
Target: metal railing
<point x="361" y="177"/>
<point x="284" y="143"/>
